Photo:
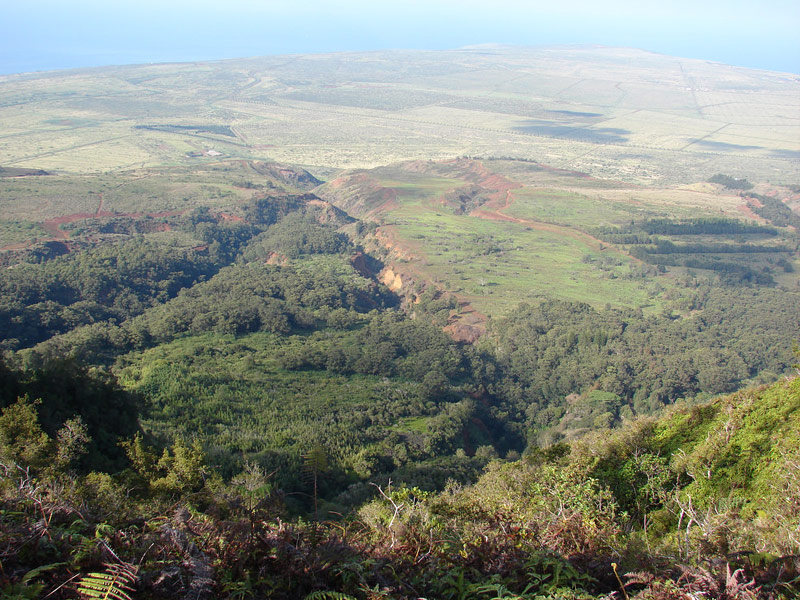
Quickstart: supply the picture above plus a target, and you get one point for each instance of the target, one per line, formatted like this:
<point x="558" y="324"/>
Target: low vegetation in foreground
<point x="702" y="502"/>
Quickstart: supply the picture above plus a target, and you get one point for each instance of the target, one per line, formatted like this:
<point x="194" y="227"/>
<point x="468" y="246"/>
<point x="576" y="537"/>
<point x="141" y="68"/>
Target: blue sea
<point x="48" y="34"/>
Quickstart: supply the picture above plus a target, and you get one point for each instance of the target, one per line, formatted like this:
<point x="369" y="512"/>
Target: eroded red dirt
<point x="53" y="226"/>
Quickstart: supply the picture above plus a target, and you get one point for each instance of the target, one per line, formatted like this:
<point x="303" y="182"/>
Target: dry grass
<point x="617" y="113"/>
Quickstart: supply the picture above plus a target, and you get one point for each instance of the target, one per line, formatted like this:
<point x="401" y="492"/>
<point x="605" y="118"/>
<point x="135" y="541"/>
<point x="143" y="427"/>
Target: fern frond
<point x="638" y="577"/>
<point x="328" y="595"/>
<point x="316" y="461"/>
<point x="497" y="591"/>
<point x="34" y="573"/>
<point x="113" y="584"/>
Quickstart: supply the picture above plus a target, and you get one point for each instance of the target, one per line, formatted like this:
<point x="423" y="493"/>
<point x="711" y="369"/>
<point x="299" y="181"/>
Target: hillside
<point x="254" y="314"/>
<point x="498" y="232"/>
<point x="703" y="501"/>
<point x="457" y="324"/>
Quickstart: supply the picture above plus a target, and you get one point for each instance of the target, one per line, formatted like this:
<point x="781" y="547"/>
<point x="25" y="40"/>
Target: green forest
<point x="227" y="402"/>
<point x="701" y="502"/>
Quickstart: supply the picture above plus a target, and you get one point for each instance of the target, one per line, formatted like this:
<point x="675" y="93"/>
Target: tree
<point x="314" y="463"/>
<point x="22" y="441"/>
<point x="25" y="445"/>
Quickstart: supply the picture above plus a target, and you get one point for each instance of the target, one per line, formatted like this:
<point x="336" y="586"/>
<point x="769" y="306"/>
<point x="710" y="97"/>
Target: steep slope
<point x="702" y="503"/>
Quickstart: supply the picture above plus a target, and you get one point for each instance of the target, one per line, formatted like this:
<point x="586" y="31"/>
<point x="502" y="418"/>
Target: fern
<point x="113" y="584"/>
<point x="328" y="595"/>
<point x="20" y="591"/>
<point x="34" y="573"/>
<point x="24" y="589"/>
<point x="314" y="463"/>
<point x="497" y="591"/>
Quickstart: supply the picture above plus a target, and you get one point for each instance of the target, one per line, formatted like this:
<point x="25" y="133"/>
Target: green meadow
<point x="495" y="265"/>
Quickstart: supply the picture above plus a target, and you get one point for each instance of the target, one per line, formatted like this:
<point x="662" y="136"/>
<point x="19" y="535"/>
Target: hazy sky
<point x="50" y="34"/>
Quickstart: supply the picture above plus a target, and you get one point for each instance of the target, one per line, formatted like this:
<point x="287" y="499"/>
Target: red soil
<point x="52" y="226"/>
<point x="748" y="210"/>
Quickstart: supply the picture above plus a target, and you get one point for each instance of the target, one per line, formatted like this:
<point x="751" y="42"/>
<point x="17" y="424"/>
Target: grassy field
<point x="19" y="232"/>
<point x="589" y="209"/>
<point x="524" y="231"/>
<point x="565" y="207"/>
<point x="496" y="265"/>
<point x="611" y="112"/>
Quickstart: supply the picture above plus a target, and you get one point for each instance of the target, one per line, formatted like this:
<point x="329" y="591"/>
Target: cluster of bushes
<point x="775" y="211"/>
<point x="106" y="287"/>
<point x="697" y="226"/>
<point x="546" y="352"/>
<point x="646" y="245"/>
<point x="731" y="182"/>
<point x="116" y="282"/>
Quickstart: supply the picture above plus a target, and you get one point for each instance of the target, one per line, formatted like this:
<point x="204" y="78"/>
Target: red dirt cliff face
<point x="361" y="195"/>
<point x="277" y="259"/>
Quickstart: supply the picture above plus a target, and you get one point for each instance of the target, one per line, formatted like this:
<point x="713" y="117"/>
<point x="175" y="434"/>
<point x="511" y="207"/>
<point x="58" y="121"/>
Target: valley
<point x="478" y="323"/>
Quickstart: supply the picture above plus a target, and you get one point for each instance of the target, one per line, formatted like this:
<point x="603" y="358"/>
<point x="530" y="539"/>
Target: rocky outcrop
<point x="392" y="279"/>
<point x="359" y="194"/>
<point x="293" y="176"/>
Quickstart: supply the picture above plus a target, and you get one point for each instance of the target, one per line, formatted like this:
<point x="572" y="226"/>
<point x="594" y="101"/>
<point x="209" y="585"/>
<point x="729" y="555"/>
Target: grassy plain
<point x="496" y="265"/>
<point x="500" y="232"/>
<point x="610" y="112"/>
<point x="155" y="138"/>
<point x="589" y="209"/>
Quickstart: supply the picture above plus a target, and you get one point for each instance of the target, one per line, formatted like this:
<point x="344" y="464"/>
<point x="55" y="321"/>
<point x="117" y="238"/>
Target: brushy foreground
<point x="701" y="503"/>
